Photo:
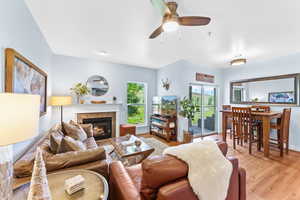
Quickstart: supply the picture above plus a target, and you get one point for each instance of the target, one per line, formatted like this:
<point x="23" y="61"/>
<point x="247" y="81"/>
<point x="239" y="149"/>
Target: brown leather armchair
<point x="165" y="178"/>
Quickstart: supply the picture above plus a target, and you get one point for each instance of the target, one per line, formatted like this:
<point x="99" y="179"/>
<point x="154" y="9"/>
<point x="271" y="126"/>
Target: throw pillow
<point x="55" y="140"/>
<point x="88" y="128"/>
<point x="90" y="143"/>
<point x="39" y="188"/>
<point x="75" y="132"/>
<point x="69" y="144"/>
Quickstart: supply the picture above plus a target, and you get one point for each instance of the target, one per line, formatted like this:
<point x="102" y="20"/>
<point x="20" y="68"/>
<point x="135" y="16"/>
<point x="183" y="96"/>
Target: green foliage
<point x="255" y="100"/>
<point x="80" y="89"/>
<point x="135" y="95"/>
<point x="188" y="108"/>
<point x="136" y="114"/>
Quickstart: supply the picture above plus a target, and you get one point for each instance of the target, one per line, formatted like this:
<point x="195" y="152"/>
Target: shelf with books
<point x="164" y="126"/>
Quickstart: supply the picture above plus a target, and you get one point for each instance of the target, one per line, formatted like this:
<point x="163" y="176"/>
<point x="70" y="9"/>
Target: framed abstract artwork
<point x="22" y="76"/>
<point x="281" y="97"/>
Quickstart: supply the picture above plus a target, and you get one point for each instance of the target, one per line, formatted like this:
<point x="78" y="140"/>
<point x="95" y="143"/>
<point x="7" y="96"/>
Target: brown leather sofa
<point x="91" y="159"/>
<point x="165" y="178"/>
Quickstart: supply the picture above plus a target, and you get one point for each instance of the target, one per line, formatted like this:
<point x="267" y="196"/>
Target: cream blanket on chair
<point x="209" y="171"/>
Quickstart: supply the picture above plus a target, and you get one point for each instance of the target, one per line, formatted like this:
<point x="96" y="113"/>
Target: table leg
<point x="224" y="126"/>
<point x="266" y="135"/>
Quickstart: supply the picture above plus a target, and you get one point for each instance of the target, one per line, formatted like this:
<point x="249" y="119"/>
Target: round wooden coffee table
<point x="96" y="187"/>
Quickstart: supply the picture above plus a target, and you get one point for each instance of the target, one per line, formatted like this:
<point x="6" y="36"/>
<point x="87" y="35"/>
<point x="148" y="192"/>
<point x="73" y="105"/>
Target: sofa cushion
<point x="177" y="190"/>
<point x="135" y="172"/>
<point x="75" y="132"/>
<point x="88" y="128"/>
<point x="90" y="143"/>
<point x="159" y="170"/>
<point x="55" y="140"/>
<point x="69" y="144"/>
<point x="72" y="158"/>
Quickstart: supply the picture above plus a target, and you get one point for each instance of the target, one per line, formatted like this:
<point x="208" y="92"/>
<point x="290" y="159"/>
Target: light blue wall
<point x="18" y="30"/>
<point x="181" y="74"/>
<point x="68" y="71"/>
<point x="279" y="66"/>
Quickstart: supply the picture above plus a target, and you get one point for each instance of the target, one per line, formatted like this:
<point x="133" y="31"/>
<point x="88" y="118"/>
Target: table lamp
<point x="19" y="121"/>
<point x="61" y="101"/>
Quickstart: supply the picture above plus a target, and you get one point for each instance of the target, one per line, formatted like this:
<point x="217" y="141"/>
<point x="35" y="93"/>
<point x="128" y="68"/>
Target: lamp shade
<point x="61" y="100"/>
<point x="19" y="118"/>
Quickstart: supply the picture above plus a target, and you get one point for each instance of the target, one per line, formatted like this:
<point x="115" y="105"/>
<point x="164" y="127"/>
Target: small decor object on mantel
<point x="98" y="102"/>
<point x="80" y="90"/>
<point x="114" y="99"/>
<point x="166" y="84"/>
<point x="188" y="110"/>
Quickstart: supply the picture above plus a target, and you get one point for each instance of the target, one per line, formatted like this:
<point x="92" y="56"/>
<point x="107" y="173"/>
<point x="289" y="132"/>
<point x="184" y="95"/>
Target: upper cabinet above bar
<point x="275" y="90"/>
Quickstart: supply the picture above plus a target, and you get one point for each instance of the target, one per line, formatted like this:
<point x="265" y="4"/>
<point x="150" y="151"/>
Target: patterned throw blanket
<point x="209" y="171"/>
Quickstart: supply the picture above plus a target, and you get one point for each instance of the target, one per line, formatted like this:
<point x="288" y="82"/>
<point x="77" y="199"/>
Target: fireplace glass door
<point x="102" y="127"/>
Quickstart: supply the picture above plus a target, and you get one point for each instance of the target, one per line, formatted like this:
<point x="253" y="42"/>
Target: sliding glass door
<point x="205" y="121"/>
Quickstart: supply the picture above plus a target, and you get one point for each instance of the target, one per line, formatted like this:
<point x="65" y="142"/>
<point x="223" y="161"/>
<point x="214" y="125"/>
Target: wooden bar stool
<point x="257" y="125"/>
<point x="283" y="130"/>
<point x="229" y="121"/>
<point x="242" y="128"/>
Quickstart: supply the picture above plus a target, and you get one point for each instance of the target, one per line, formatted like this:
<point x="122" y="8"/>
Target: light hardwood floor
<point x="273" y="178"/>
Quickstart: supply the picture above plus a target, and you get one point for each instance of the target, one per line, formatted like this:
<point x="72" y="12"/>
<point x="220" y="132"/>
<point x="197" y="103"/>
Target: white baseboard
<point x="294" y="148"/>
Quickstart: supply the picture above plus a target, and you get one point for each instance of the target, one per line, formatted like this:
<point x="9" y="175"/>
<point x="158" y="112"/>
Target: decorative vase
<point x="183" y="124"/>
<point x="80" y="100"/>
<point x="138" y="143"/>
<point x="187" y="137"/>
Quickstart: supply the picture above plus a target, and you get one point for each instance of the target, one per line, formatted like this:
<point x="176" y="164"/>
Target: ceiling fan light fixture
<point x="170" y="26"/>
<point x="239" y="61"/>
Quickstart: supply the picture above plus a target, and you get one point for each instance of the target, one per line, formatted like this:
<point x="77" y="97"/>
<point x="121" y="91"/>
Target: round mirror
<point x="98" y="85"/>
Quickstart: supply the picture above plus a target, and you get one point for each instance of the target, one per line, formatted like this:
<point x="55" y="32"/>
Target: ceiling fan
<point x="171" y="20"/>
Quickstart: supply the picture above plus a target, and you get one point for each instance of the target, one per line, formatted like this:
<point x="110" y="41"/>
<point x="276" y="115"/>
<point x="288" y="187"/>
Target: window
<point x="238" y="94"/>
<point x="136" y="103"/>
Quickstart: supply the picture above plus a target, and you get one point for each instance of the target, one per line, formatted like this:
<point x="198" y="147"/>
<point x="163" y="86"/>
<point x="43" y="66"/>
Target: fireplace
<point x="104" y="123"/>
<point x="102" y="127"/>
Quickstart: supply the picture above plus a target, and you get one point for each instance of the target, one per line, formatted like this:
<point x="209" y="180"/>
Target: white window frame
<point x="145" y="103"/>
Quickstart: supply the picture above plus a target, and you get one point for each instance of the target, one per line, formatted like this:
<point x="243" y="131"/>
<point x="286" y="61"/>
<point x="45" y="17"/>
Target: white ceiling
<point x="257" y="29"/>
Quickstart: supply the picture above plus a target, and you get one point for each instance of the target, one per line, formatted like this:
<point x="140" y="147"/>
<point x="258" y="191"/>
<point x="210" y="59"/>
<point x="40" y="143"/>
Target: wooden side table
<point x="127" y="129"/>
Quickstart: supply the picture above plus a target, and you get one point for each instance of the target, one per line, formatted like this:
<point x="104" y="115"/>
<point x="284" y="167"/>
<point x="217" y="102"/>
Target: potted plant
<point x="80" y="90"/>
<point x="187" y="111"/>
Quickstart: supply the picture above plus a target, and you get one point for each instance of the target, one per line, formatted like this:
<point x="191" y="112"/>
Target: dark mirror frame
<point x="296" y="89"/>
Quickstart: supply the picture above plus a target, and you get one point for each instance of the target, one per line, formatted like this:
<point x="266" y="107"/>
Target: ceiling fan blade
<point x="161" y="6"/>
<point x="193" y="21"/>
<point x="156" y="33"/>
